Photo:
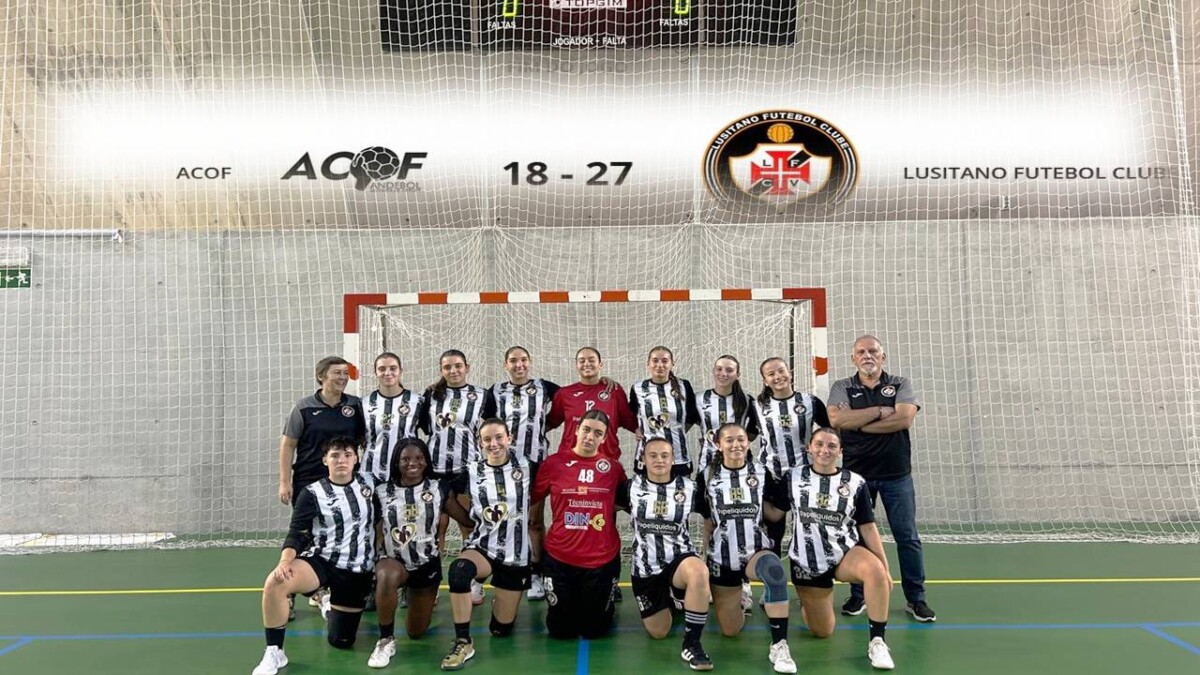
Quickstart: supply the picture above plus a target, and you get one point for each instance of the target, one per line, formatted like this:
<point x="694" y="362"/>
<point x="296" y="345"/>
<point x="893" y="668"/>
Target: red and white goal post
<point x="697" y="324"/>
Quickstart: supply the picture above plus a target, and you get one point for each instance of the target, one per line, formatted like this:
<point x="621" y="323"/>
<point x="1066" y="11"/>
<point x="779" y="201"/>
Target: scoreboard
<point x="459" y="25"/>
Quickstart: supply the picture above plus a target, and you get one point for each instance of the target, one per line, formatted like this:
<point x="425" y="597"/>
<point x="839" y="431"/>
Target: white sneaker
<point x="880" y="655"/>
<point x="314" y="600"/>
<point x="537" y="589"/>
<point x="781" y="657"/>
<point x="747" y="598"/>
<point x="476" y="593"/>
<point x="325" y="606"/>
<point x="385" y="649"/>
<point x="273" y="659"/>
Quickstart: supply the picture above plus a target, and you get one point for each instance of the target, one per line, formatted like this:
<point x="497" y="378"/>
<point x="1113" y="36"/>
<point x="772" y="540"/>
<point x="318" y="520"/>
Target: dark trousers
<point x="579" y="601"/>
<point x="900" y="502"/>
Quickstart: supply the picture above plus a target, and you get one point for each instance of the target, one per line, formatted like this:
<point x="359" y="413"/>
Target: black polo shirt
<point x="312" y="423"/>
<point x="875" y="456"/>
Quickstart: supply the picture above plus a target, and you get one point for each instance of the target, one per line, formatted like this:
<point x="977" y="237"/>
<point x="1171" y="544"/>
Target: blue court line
<point x="15" y="646"/>
<point x="581" y="657"/>
<point x="1154" y="630"/>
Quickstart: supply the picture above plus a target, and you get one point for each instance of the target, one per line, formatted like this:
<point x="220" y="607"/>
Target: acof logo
<point x="373" y="169"/>
<point x="780" y="158"/>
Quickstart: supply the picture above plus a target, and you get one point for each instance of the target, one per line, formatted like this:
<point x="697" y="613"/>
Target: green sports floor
<point x="1014" y="608"/>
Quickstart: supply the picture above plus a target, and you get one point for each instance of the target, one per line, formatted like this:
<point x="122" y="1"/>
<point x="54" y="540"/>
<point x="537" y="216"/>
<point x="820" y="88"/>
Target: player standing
<point x="592" y="392"/>
<point x="665" y="407"/>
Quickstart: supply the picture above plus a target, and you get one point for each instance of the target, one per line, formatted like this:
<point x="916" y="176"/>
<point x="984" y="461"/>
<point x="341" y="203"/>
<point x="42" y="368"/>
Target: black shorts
<point x="653" y="594"/>
<point x="800" y="578"/>
<point x="579" y="601"/>
<point x="428" y="575"/>
<point x="506" y="577"/>
<point x="299" y="484"/>
<point x="346" y="588"/>
<point x="721" y="575"/>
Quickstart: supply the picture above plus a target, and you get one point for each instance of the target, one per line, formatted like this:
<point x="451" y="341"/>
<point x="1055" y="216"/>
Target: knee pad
<point x="462" y="573"/>
<point x="770" y="571"/>
<point x="343" y="628"/>
<point x="501" y="629"/>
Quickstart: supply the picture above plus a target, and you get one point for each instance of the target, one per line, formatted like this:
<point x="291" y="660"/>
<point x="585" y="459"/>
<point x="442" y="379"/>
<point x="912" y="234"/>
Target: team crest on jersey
<point x="347" y="411"/>
<point x="446" y="420"/>
<point x="427" y="496"/>
<point x="823" y="500"/>
<point x="403" y="535"/>
<point x="680" y="496"/>
<point x="472" y="396"/>
<point x="496" y="513"/>
<point x="517" y="474"/>
<point x="603" y="396"/>
<point x="531" y="390"/>
<point x="800" y="409"/>
<point x="386" y="421"/>
<point x="404" y="409"/>
<point x="603" y="466"/>
<point x="366" y="492"/>
<point x="844" y="490"/>
<point x="752" y="482"/>
<point x="888" y="391"/>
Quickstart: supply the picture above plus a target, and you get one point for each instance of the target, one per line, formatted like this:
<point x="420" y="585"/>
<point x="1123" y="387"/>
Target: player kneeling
<point x="407" y="509"/>
<point x="333" y="530"/>
<point x="835" y="537"/>
<point x="664" y="558"/>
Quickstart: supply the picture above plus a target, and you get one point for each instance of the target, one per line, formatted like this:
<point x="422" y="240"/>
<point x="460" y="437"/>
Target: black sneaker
<point x="695" y="657"/>
<point x="853" y="606"/>
<point x="617" y="595"/>
<point x="920" y="611"/>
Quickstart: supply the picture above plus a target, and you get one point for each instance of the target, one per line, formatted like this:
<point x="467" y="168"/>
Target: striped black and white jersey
<point x="715" y="410"/>
<point x="524" y="408"/>
<point x="499" y="508"/>
<point x="408" y="517"/>
<point x="659" y="513"/>
<point x="452" y="424"/>
<point x="664" y="410"/>
<point x="389" y="418"/>
<point x="733" y="501"/>
<point x="826" y="512"/>
<point x="786" y="425"/>
<point x="335" y="522"/>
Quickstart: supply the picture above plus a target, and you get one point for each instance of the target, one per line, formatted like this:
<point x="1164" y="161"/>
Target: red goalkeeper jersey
<point x="572" y="401"/>
<point x="583" y="495"/>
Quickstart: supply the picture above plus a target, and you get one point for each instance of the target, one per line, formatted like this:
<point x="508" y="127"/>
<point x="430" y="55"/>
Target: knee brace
<point x="770" y="571"/>
<point x="462" y="573"/>
<point x="501" y="629"/>
<point x="343" y="628"/>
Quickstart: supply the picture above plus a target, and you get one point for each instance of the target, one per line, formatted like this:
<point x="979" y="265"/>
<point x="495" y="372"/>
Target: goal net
<point x="1003" y="190"/>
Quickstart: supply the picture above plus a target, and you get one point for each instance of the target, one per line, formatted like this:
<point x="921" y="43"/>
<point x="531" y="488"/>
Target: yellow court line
<point x="624" y="584"/>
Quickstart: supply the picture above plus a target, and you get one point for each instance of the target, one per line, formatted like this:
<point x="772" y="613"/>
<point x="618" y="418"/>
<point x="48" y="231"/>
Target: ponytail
<point x="676" y="390"/>
<point x="740" y="401"/>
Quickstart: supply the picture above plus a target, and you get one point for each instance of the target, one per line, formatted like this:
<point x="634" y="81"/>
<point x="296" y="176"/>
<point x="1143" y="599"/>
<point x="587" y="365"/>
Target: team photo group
<point x="374" y="482"/>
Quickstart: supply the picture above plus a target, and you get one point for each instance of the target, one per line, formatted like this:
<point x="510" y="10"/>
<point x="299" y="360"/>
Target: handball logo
<point x="779" y="158"/>
<point x="374" y="169"/>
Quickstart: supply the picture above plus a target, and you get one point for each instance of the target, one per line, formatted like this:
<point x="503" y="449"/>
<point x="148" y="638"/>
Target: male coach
<point x="873" y="410"/>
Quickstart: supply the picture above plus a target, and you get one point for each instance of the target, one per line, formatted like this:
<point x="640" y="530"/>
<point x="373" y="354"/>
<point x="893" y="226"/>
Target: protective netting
<point x="1015" y="216"/>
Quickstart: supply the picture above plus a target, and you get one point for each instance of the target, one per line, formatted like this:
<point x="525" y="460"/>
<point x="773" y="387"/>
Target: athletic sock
<point x="462" y="631"/>
<point x="778" y="629"/>
<point x="275" y="636"/>
<point x="693" y="626"/>
<point x="387" y="630"/>
<point x="877" y="628"/>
